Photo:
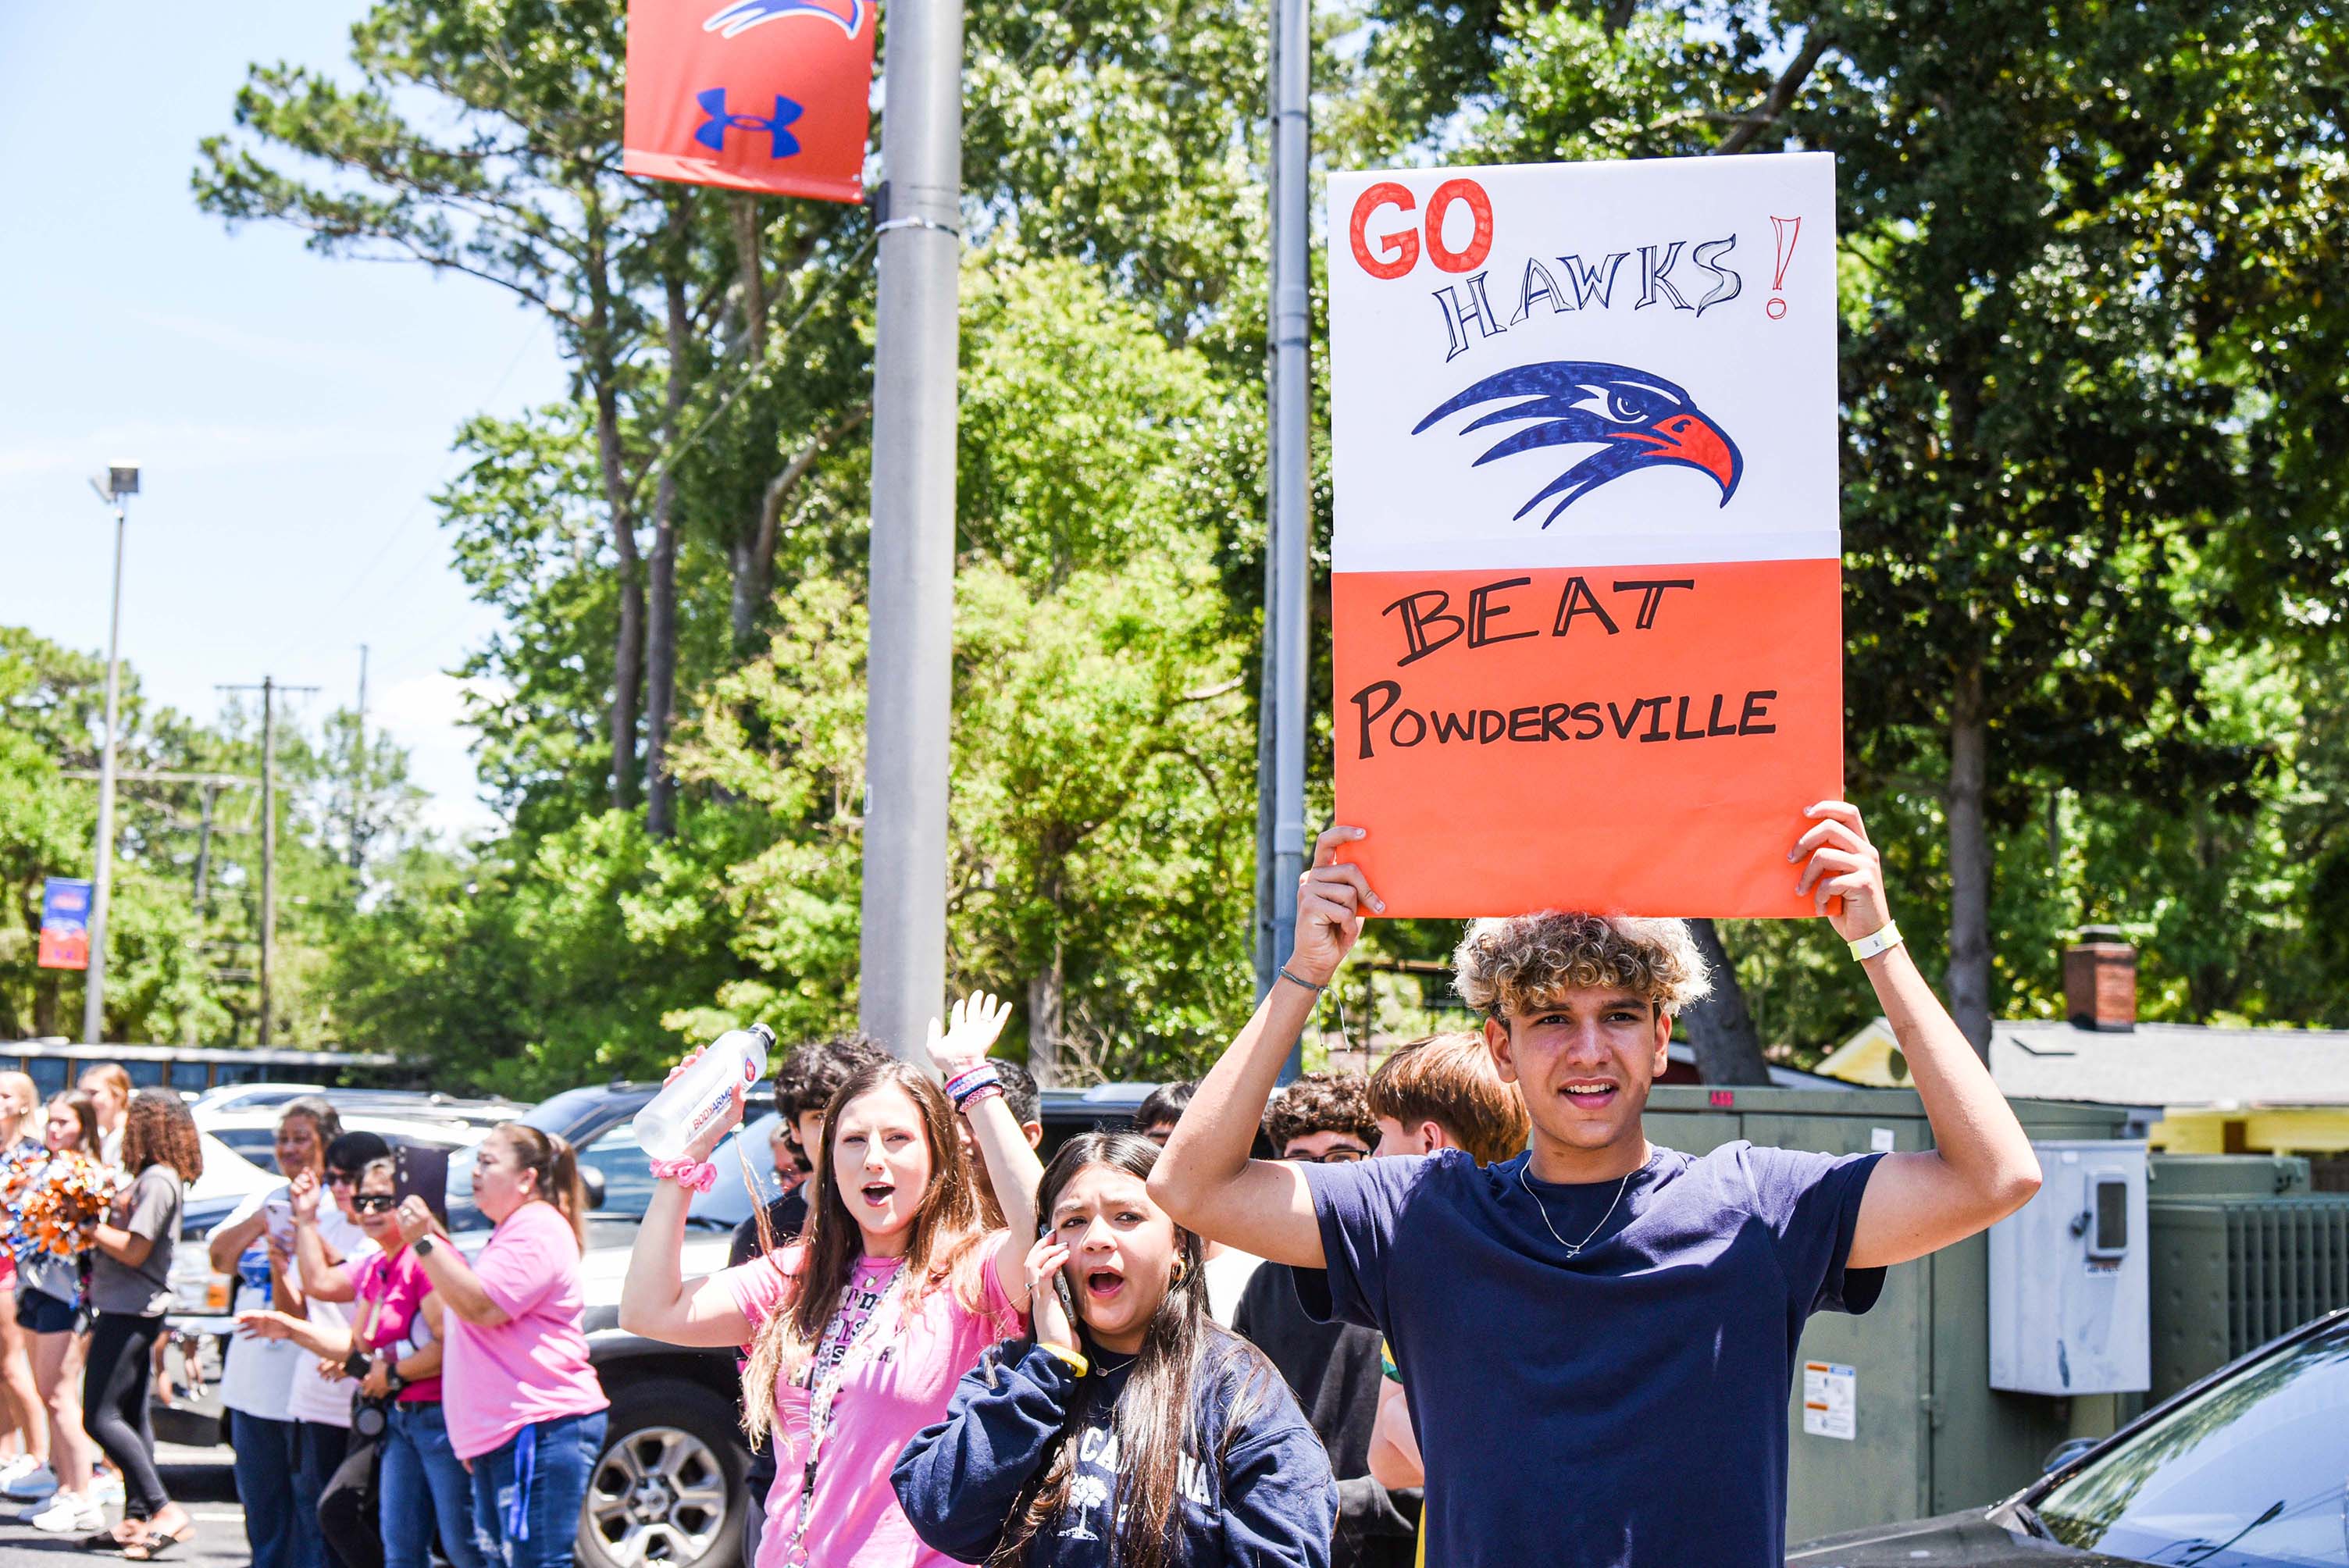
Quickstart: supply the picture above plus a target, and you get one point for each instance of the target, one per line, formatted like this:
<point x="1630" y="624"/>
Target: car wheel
<point x="667" y="1492"/>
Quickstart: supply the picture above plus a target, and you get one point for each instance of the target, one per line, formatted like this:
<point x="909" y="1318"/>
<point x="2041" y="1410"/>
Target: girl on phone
<point x="858" y="1332"/>
<point x="1142" y="1433"/>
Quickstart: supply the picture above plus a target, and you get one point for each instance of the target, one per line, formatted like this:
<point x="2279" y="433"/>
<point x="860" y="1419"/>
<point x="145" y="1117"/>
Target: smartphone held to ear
<point x="1060" y="1287"/>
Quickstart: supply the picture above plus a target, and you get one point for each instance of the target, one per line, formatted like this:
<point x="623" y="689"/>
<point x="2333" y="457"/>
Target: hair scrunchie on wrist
<point x="693" y="1175"/>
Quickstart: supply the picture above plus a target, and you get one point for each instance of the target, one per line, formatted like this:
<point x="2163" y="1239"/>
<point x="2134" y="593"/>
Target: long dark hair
<point x="1154" y="1424"/>
<point x="945" y="1228"/>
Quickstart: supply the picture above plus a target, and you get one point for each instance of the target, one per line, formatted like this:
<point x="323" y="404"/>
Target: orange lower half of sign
<point x="63" y="950"/>
<point x="1633" y="741"/>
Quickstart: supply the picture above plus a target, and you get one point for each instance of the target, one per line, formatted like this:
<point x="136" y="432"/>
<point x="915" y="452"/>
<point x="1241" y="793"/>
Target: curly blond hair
<point x="1514" y="965"/>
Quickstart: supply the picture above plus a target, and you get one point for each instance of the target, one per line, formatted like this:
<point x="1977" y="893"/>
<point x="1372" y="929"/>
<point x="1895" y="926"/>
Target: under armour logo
<point x="712" y="134"/>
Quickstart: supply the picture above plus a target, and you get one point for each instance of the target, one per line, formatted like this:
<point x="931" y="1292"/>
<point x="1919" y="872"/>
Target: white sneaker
<point x="17" y="1467"/>
<point x="105" y="1487"/>
<point x="69" y="1515"/>
<point x="35" y="1484"/>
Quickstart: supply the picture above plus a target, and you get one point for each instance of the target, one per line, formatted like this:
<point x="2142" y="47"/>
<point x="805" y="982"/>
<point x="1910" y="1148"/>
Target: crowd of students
<point x="92" y="1185"/>
<point x="386" y="1396"/>
<point x="1470" y="1315"/>
<point x="1459" y="1312"/>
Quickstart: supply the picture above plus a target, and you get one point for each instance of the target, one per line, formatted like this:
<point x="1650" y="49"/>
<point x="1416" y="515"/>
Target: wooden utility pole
<point x="268" y="688"/>
<point x="359" y="770"/>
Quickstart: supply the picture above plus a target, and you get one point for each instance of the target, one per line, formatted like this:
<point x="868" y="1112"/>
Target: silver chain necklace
<point x="1573" y="1249"/>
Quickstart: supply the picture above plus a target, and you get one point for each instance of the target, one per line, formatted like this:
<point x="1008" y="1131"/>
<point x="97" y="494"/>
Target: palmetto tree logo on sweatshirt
<point x="1085" y="1492"/>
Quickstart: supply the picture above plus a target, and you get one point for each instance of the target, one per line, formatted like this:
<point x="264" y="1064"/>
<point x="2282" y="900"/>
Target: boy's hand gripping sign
<point x="1587" y="560"/>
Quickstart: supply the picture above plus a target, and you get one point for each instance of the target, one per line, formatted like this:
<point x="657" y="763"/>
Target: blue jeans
<point x="264" y="1485"/>
<point x="320" y="1450"/>
<point x="566" y="1455"/>
<point x="423" y="1483"/>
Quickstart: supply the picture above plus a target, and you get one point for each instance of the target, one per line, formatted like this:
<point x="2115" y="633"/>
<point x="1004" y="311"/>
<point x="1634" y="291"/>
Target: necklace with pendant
<point x="1573" y="1249"/>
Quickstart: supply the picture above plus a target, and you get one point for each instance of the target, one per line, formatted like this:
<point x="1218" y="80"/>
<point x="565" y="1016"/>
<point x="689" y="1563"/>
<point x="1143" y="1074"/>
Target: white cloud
<point x="426" y="715"/>
<point x="248" y="345"/>
<point x="185" y="445"/>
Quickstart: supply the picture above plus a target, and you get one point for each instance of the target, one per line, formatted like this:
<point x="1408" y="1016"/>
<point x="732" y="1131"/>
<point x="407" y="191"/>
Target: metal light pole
<point x="120" y="482"/>
<point x="1285" y="652"/>
<point x="910" y="667"/>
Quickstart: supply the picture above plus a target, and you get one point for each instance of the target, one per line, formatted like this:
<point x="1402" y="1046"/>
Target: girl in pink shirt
<point x="525" y="1409"/>
<point x="859" y="1334"/>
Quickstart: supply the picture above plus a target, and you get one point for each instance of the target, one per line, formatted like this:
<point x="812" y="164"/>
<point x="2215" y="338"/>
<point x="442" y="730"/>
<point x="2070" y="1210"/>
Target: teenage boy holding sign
<point x="1597" y="1337"/>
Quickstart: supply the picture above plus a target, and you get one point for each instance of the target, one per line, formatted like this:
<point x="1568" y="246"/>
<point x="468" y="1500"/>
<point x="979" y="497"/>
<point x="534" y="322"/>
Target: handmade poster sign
<point x="1587" y="586"/>
<point x="754" y="95"/>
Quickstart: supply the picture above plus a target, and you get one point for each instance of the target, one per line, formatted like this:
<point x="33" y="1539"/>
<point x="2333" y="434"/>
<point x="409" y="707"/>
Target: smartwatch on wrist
<point x="423" y="1246"/>
<point x="357" y="1363"/>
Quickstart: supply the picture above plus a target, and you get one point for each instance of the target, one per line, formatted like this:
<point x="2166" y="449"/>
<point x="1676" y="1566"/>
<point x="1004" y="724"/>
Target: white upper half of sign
<point x="1584" y="364"/>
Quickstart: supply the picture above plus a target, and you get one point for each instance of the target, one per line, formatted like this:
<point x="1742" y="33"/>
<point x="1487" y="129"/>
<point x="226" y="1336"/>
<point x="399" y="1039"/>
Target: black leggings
<point x="114" y="1406"/>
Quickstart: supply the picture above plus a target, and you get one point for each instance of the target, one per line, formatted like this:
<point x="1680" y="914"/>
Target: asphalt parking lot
<point x="203" y="1483"/>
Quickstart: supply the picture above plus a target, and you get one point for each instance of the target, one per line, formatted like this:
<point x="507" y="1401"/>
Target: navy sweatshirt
<point x="1272" y="1503"/>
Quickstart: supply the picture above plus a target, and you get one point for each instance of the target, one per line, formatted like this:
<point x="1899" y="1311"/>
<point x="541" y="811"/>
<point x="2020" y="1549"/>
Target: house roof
<point x="2171" y="1064"/>
<point x="2178" y="1064"/>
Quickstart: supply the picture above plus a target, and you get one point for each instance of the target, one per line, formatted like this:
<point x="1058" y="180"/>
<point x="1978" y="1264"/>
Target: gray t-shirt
<point x="154" y="1212"/>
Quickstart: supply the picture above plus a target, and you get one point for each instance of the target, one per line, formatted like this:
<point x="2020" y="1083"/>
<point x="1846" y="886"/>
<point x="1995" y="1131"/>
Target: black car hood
<point x="1968" y="1538"/>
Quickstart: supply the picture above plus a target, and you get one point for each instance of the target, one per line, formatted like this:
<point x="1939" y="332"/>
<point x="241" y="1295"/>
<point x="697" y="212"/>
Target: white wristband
<point x="1880" y="941"/>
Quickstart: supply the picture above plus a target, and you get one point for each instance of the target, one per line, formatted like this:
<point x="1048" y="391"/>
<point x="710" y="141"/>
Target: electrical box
<point x="1891" y="1414"/>
<point x="2070" y="1291"/>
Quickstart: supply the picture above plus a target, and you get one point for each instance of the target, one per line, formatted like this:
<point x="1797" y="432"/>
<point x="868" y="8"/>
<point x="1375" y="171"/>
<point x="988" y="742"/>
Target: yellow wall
<point x="2264" y="1129"/>
<point x="1866" y="1059"/>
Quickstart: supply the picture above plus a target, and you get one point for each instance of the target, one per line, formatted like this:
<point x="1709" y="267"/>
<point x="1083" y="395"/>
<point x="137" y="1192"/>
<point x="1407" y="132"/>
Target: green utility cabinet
<point x="1929" y="1434"/>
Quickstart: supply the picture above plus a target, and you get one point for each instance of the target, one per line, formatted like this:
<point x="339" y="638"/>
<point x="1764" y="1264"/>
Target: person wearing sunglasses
<point x="320" y="1402"/>
<point x="393" y="1351"/>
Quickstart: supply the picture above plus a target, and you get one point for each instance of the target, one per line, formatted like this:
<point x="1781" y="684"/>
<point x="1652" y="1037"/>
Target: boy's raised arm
<point x="1981" y="1168"/>
<point x="1206" y="1178"/>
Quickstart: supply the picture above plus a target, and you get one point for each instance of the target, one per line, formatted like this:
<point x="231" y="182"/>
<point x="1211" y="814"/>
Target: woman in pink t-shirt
<point x="395" y="1347"/>
<point x="525" y="1410"/>
<point x="858" y="1334"/>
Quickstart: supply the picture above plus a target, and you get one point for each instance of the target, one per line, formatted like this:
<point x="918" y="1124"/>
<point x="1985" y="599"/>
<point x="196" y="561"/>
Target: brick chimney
<point x="2100" y="980"/>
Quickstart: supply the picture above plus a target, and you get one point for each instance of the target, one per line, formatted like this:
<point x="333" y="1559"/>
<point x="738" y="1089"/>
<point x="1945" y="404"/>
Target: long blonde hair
<point x="24" y="1088"/>
<point x="944" y="1234"/>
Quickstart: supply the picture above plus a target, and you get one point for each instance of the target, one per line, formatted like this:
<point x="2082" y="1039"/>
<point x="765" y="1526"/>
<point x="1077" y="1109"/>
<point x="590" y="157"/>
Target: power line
<point x="415" y="510"/>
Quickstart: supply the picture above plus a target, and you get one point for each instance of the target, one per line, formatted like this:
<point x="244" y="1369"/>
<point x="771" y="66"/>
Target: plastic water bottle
<point x="698" y="1095"/>
<point x="252" y="1268"/>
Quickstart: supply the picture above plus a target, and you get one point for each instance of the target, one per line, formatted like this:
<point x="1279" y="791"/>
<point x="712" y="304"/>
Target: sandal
<point x="156" y="1543"/>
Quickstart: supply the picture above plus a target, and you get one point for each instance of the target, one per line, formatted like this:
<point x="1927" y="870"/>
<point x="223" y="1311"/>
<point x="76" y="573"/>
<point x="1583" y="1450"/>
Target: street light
<point x="120" y="482"/>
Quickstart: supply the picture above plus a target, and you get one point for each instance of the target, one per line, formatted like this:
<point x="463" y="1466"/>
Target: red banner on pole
<point x="752" y="95"/>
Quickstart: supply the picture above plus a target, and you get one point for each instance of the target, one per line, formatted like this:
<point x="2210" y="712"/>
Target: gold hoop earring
<point x="1181" y="1267"/>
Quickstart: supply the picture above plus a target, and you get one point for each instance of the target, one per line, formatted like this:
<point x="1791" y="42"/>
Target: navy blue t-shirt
<point x="1624" y="1405"/>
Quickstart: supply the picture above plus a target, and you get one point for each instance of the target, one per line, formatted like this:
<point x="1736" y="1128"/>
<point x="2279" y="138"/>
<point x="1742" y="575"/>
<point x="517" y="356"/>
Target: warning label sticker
<point x="1830" y="1400"/>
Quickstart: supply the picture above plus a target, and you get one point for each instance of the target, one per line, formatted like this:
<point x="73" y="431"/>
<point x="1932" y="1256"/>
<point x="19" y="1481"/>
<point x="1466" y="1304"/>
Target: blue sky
<point x="292" y="413"/>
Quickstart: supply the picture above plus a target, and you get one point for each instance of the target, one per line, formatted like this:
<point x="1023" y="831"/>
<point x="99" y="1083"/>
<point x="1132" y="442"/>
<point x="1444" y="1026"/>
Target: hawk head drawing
<point x="1637" y="420"/>
<point x="737" y="15"/>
